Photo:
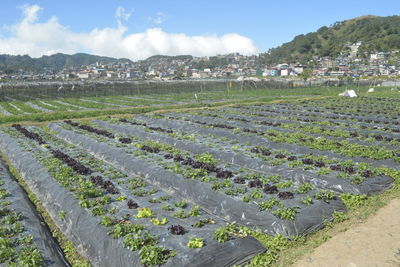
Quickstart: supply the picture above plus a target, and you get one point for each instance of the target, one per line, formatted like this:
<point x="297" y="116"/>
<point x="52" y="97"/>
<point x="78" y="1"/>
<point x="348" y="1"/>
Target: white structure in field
<point x="348" y="93"/>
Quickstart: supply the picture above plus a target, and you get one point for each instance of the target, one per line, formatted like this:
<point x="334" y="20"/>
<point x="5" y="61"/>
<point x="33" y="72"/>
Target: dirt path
<point x="373" y="243"/>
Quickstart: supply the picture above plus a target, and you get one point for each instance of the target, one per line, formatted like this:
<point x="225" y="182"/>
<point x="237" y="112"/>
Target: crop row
<point x="322" y="143"/>
<point x="273" y="157"/>
<point x="345" y="106"/>
<point x="292" y="116"/>
<point x="141" y="238"/>
<point x="24" y="236"/>
<point x="16" y="243"/>
<point x="317" y="115"/>
<point x="335" y="132"/>
<point x="233" y="183"/>
<point x="72" y="104"/>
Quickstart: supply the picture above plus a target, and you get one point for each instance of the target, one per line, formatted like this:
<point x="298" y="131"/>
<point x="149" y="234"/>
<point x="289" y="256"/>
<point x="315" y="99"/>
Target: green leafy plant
<point x="269" y="204"/>
<point x="156" y="221"/>
<point x="62" y="215"/>
<point x="246" y="198"/>
<point x="107" y="221"/>
<point x="194" y="173"/>
<point x="168" y="208"/>
<point x="164" y="198"/>
<point x="145" y="213"/>
<point x="121" y="198"/>
<point x="203" y="222"/>
<point x="284" y="184"/>
<point x="217" y="185"/>
<point x="273" y="178"/>
<point x="324" y="171"/>
<point x="354" y="201"/>
<point x="140" y="192"/>
<point x="256" y="194"/>
<point x="154" y="200"/>
<point x="206" y="158"/>
<point x="224" y="233"/>
<point x="135" y="241"/>
<point x="195" y="211"/>
<point x="30" y="257"/>
<point x="325" y="195"/>
<point x="235" y="191"/>
<point x="181" y="214"/>
<point x="3" y="194"/>
<point x="195" y="242"/>
<point x="338" y="217"/>
<point x="181" y="204"/>
<point x="286" y="213"/>
<point x="98" y="210"/>
<point x="304" y="188"/>
<point x="307" y="201"/>
<point x="122" y="229"/>
<point x="153" y="255"/>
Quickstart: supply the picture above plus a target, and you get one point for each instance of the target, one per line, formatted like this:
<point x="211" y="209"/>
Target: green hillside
<point x="376" y="33"/>
<point x="55" y="62"/>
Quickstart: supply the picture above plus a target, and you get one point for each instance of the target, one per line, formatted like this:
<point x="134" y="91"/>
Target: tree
<point x="306" y="74"/>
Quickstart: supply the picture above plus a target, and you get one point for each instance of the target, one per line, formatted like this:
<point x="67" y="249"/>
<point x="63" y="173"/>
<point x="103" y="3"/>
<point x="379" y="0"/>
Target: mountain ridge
<point x="374" y="32"/>
<point x="56" y="62"/>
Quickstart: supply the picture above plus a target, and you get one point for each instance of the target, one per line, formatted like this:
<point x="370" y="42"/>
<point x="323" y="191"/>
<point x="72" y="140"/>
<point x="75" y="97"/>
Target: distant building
<point x="299" y="69"/>
<point x="378" y="56"/>
<point x="84" y="75"/>
<point x="282" y="66"/>
<point x="285" y="72"/>
<point x="354" y="49"/>
<point x="273" y="72"/>
<point x="111" y="74"/>
<point x="337" y="73"/>
<point x="132" y="74"/>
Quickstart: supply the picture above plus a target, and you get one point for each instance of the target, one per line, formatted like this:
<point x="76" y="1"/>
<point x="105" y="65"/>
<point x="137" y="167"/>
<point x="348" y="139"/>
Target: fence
<point x="51" y="90"/>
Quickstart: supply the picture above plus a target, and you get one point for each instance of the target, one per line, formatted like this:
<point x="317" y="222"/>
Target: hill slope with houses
<point x="368" y="33"/>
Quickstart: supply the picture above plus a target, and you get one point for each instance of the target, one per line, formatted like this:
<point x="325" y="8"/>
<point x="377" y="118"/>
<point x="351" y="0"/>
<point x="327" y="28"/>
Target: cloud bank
<point x="35" y="38"/>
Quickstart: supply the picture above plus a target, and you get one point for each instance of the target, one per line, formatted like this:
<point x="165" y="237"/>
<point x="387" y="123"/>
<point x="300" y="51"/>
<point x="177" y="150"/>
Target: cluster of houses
<point x="348" y="64"/>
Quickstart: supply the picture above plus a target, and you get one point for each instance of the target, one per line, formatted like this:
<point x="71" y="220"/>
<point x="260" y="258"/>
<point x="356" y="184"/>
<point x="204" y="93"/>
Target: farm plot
<point x="109" y="214"/>
<point x="24" y="239"/>
<point x="83" y="102"/>
<point x="73" y="104"/>
<point x="194" y="187"/>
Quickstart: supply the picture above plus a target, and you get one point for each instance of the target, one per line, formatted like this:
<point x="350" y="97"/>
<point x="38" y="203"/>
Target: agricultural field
<point x="16" y="107"/>
<point x="39" y="109"/>
<point x="218" y="186"/>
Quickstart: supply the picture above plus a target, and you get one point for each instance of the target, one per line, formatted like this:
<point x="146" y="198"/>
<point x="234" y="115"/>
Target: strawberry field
<point x="194" y="188"/>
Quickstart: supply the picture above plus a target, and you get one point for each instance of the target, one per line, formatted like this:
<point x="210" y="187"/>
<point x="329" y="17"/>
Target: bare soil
<point x="375" y="242"/>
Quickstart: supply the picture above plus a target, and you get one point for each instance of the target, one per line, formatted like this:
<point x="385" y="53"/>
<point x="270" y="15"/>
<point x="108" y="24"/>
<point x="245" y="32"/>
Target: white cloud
<point x="30" y="13"/>
<point x="120" y="13"/>
<point x="159" y="19"/>
<point x="36" y="38"/>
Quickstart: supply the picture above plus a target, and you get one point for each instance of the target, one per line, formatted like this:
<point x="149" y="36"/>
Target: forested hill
<point x="55" y="62"/>
<point x="376" y="33"/>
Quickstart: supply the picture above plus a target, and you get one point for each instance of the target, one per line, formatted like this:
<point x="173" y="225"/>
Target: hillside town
<point x="349" y="64"/>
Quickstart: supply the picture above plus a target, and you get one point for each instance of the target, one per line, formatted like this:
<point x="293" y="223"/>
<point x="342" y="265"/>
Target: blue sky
<point x="204" y="26"/>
